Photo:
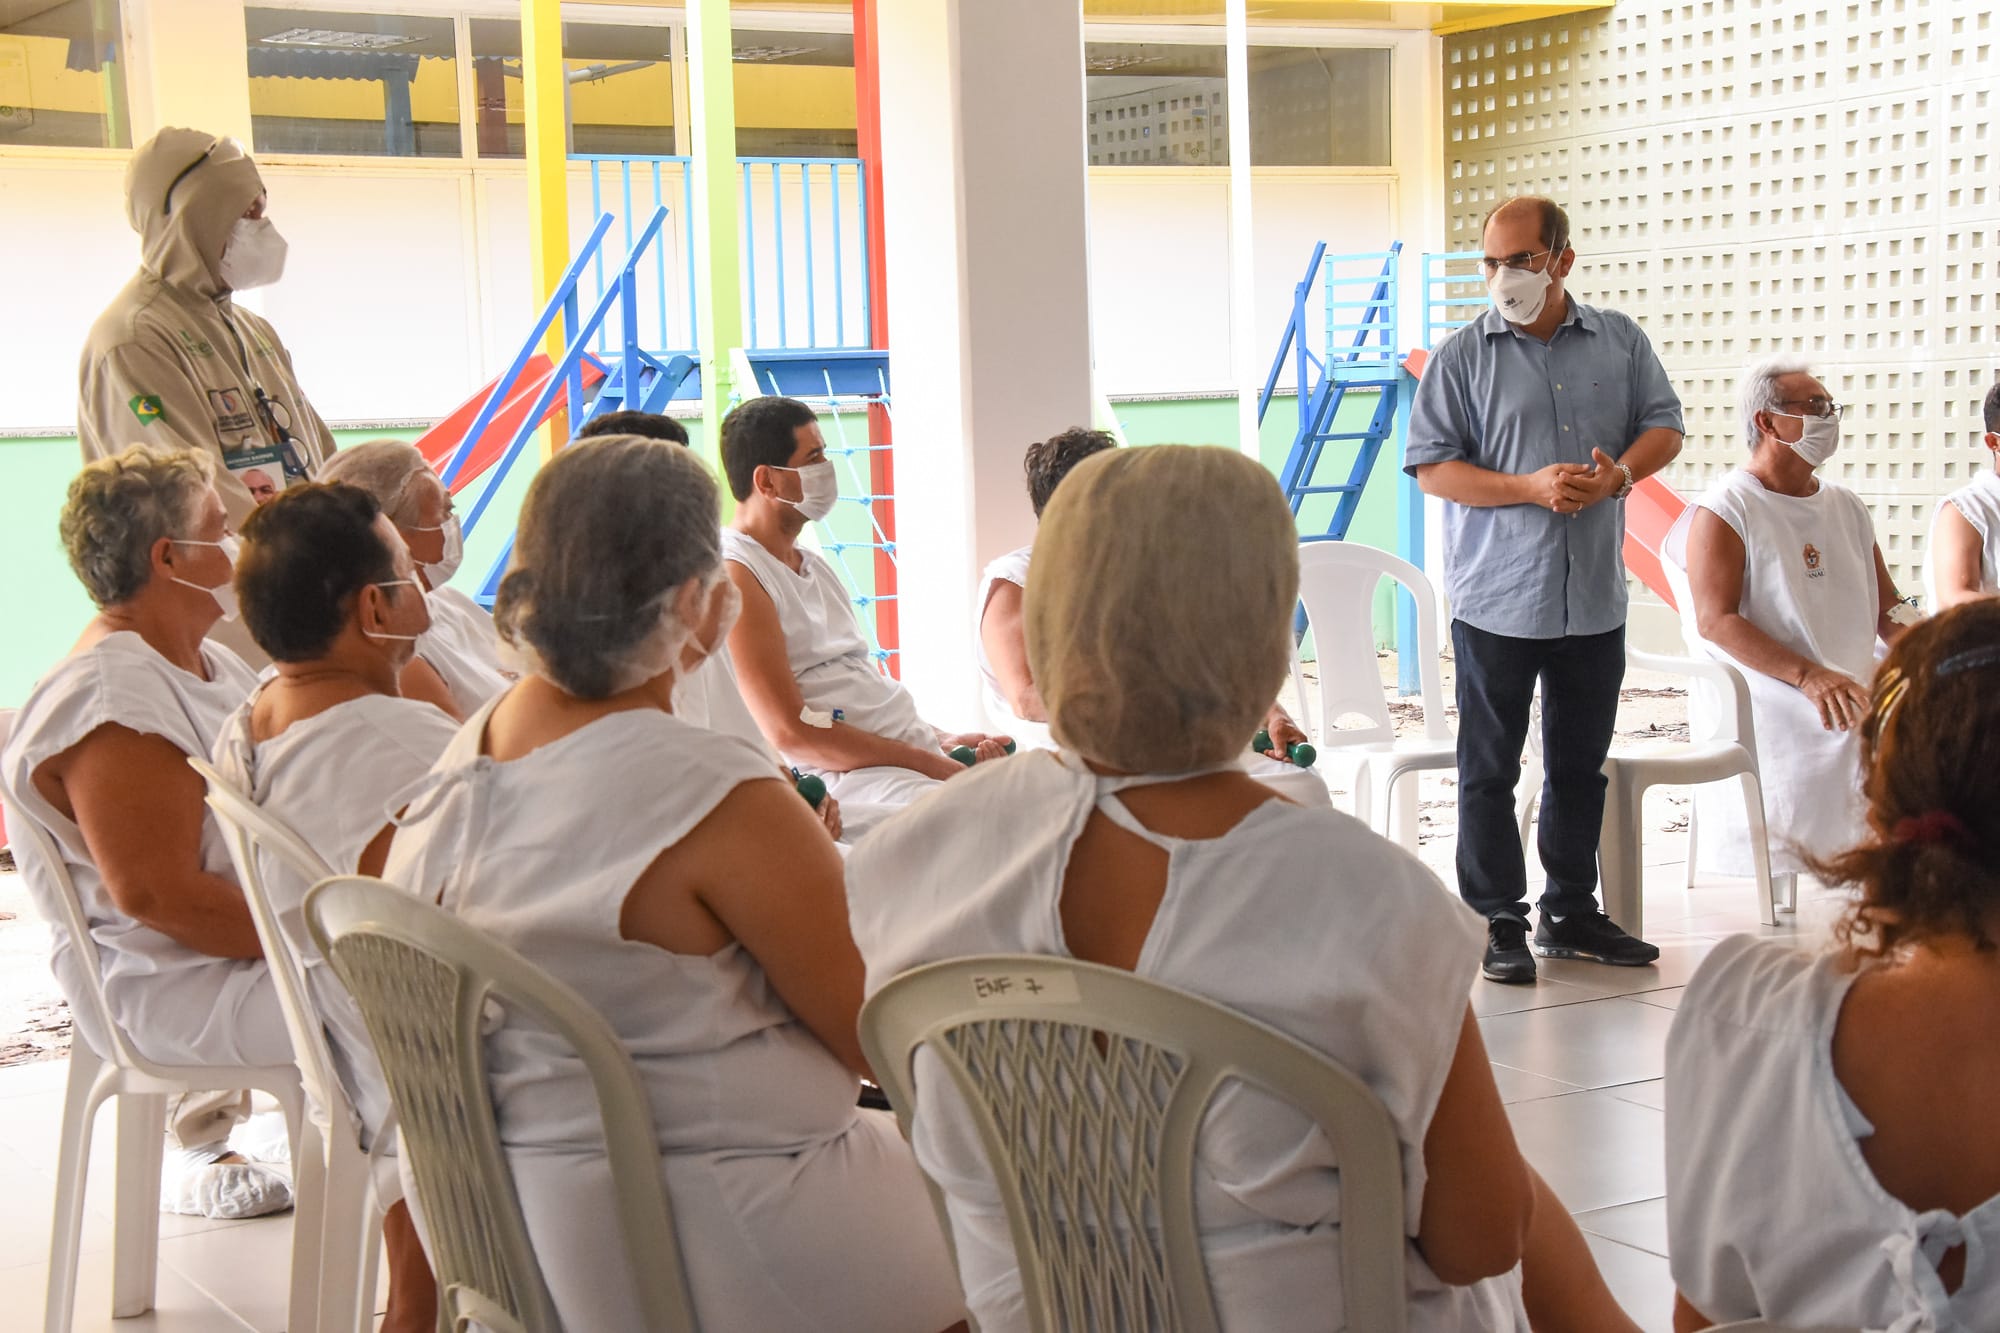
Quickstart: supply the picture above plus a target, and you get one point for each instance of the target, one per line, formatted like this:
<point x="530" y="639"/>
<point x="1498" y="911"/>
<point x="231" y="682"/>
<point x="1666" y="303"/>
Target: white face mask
<point x="224" y="593"/>
<point x="1819" y="437"/>
<point x="253" y="256"/>
<point x="819" y="489"/>
<point x="1519" y="294"/>
<point x="447" y="564"/>
<point x="725" y="620"/>
<point x="400" y="638"/>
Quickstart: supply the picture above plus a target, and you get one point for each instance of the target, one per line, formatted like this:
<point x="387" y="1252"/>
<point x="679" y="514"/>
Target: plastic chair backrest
<point x="246" y="827"/>
<point x="1337" y="582"/>
<point x="423" y="980"/>
<point x="91" y="1010"/>
<point x="1719" y="708"/>
<point x="1759" y="1326"/>
<point x="1099" y="1189"/>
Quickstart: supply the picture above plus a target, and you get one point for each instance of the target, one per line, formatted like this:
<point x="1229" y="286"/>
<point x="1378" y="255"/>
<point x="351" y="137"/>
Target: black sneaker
<point x="1593" y="937"/>
<point x="1507" y="956"/>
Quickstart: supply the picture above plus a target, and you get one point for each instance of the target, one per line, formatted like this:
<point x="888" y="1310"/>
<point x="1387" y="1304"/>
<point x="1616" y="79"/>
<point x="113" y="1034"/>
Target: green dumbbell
<point x="811" y="786"/>
<point x="1300" y="753"/>
<point x="968" y="756"/>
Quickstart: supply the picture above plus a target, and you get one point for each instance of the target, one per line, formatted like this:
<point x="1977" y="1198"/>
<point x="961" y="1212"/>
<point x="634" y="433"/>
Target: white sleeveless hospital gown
<point x="1303" y="785"/>
<point x="1370" y="965"/>
<point x="795" y="1210"/>
<point x="1978" y="503"/>
<point x="1772" y="1211"/>
<point x="330" y="779"/>
<point x="830" y="660"/>
<point x="178" y="1006"/>
<point x="1809" y="583"/>
<point x="462" y="648"/>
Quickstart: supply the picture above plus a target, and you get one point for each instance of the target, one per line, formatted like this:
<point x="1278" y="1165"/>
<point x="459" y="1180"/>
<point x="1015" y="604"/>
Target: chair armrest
<point x="1726" y="678"/>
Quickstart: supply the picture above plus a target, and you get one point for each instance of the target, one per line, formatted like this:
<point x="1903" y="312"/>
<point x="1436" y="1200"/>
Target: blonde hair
<point x="118" y="507"/>
<point x="1159" y="605"/>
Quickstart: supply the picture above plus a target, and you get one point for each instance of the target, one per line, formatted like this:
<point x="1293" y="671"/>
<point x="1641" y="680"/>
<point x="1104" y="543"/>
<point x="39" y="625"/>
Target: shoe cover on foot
<point x="263" y="1138"/>
<point x="194" y="1183"/>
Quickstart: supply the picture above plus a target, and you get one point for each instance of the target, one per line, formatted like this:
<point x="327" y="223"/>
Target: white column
<point x="989" y="323"/>
<point x="189" y="66"/>
<point x="1244" y="347"/>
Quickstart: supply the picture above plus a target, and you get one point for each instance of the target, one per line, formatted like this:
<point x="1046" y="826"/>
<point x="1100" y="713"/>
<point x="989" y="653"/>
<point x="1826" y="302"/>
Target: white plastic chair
<point x="424" y="980"/>
<point x="1102" y="1212"/>
<point x="1337" y="582"/>
<point x="1759" y="1326"/>
<point x="1721" y="748"/>
<point x="142" y="1087"/>
<point x="330" y="1166"/>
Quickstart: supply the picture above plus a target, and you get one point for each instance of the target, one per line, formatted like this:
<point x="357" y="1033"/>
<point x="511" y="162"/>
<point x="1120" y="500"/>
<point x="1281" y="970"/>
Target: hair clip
<point x="1969" y="660"/>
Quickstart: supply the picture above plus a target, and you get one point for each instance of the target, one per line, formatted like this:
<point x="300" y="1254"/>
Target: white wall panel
<point x="65" y="250"/>
<point x="1159" y="281"/>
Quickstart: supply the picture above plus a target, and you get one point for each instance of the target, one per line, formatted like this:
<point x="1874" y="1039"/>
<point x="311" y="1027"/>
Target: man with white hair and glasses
<point x="1786" y="580"/>
<point x="1533" y="423"/>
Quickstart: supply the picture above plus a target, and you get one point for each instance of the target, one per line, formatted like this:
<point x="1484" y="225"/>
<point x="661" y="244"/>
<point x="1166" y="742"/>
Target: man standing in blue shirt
<point x="1532" y="423"/>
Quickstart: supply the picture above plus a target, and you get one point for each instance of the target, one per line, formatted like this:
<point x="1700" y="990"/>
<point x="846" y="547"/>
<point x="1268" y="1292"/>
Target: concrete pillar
<point x="983" y="182"/>
<point x="188" y="64"/>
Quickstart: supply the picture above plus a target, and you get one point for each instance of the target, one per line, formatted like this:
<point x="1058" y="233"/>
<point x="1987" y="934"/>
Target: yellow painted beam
<point x="544" y="86"/>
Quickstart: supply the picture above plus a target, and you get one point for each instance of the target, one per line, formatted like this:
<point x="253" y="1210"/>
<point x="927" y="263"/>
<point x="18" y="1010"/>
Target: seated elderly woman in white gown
<point x="457" y="663"/>
<point x="1142" y="844"/>
<point x="1831" y="1160"/>
<point x="1001" y="648"/>
<point x="328" y="590"/>
<point x="98" y="762"/>
<point x="667" y="874"/>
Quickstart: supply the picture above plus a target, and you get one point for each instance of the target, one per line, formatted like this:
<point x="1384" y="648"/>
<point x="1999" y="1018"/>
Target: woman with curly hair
<point x="1831" y="1158"/>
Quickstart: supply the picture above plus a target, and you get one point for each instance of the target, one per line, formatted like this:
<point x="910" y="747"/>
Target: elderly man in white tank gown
<point x="457" y="663"/>
<point x="1148" y="848"/>
<point x="329" y="592"/>
<point x="98" y="762"/>
<point x="1786" y="581"/>
<point x="1001" y="649"/>
<point x="1963" y="559"/>
<point x="667" y="874"/>
<point x="800" y="656"/>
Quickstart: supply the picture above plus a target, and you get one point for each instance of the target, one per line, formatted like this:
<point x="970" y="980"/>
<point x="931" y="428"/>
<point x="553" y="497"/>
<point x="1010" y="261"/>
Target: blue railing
<point x="1451" y="299"/>
<point x="804" y="244"/>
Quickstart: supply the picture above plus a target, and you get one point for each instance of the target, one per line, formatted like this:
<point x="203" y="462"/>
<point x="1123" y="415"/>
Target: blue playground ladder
<point x="1361" y="353"/>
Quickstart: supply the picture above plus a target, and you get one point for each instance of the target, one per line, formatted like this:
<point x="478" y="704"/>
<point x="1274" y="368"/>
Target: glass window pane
<point x="794" y="94"/>
<point x="1133" y="81"/>
<point x="62" y="75"/>
<point x="374" y="85"/>
<point x="1319" y="107"/>
<point x="621" y="88"/>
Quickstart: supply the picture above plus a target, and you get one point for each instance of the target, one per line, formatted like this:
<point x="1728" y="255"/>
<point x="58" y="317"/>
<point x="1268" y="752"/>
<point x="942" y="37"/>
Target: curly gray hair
<point x="118" y="507"/>
<point x="1759" y="390"/>
<point x="610" y="529"/>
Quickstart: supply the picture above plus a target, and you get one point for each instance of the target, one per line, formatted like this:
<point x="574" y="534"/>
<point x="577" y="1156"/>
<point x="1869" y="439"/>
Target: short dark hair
<point x="305" y="554"/>
<point x="1991" y="409"/>
<point x="760" y="432"/>
<point x="652" y="425"/>
<point x="1049" y="461"/>
<point x="1554" y="222"/>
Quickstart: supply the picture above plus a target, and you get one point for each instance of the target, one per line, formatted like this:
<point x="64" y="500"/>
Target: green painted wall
<point x="45" y="608"/>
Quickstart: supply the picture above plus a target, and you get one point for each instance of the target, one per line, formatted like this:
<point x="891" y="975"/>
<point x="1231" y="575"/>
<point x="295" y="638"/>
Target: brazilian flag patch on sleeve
<point x="147" y="408"/>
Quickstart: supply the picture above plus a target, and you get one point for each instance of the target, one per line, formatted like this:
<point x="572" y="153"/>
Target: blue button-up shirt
<point x="1506" y="401"/>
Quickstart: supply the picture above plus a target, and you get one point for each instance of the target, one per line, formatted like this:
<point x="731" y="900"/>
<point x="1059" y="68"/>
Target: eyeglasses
<point x="167" y="205"/>
<point x="1815" y="407"/>
<point x="1517" y="262"/>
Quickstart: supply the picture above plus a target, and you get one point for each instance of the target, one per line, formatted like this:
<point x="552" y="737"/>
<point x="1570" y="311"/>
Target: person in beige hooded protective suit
<point x="174" y="360"/>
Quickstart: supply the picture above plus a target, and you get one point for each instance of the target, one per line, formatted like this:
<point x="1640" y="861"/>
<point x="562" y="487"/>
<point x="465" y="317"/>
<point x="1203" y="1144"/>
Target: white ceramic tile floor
<point x="1578" y="1059"/>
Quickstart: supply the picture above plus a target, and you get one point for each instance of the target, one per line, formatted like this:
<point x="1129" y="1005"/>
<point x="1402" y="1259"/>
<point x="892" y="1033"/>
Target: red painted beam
<point x="881" y="462"/>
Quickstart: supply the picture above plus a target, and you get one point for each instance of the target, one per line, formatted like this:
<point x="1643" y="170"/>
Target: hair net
<point x="386" y="469"/>
<point x="1159" y="605"/>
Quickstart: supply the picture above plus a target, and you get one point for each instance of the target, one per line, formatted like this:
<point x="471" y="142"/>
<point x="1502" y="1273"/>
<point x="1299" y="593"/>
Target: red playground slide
<point x="438" y="443"/>
<point x="1650" y="511"/>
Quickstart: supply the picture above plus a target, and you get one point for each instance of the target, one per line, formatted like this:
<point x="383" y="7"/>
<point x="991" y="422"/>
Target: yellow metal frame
<point x="544" y="92"/>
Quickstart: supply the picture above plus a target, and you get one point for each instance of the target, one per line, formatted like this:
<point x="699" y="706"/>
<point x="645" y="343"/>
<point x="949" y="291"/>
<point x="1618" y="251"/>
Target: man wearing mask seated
<point x="329" y="590"/>
<point x="799" y="652"/>
<point x="1001" y="644"/>
<point x="1785" y="580"/>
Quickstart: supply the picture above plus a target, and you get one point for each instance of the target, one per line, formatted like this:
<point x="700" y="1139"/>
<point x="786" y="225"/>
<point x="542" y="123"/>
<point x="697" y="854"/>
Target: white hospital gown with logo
<point x="796" y="1211"/>
<point x="1809" y="583"/>
<point x="1368" y="963"/>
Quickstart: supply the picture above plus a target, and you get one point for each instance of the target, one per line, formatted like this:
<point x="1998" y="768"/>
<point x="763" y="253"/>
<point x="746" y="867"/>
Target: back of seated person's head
<point x="760" y="432"/>
<point x="306" y="556"/>
<point x="619" y="544"/>
<point x="387" y="469"/>
<point x="1050" y="460"/>
<point x="119" y="508"/>
<point x="1930" y="870"/>
<point x="652" y="425"/>
<point x="1990" y="410"/>
<point x="1159" y="606"/>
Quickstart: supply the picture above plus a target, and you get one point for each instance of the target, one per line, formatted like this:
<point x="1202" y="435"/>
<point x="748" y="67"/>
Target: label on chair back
<point x="1029" y="987"/>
